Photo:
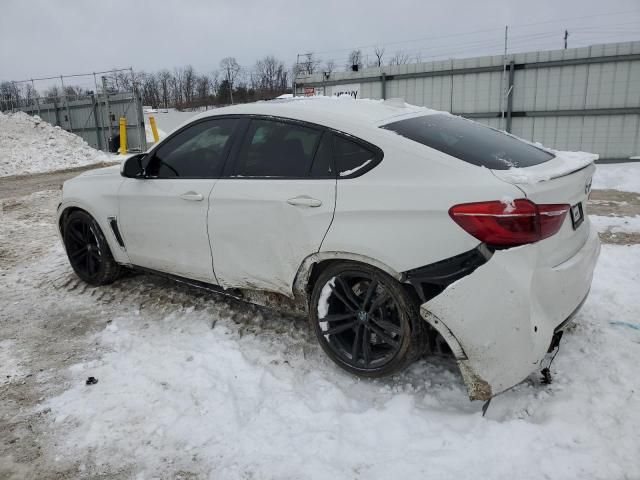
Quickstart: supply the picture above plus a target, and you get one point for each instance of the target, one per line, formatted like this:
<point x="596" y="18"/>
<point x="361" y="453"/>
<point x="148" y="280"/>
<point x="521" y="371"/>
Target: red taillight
<point x="508" y="224"/>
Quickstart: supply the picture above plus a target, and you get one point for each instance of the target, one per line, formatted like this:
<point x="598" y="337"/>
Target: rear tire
<point x="88" y="250"/>
<point x="365" y="321"/>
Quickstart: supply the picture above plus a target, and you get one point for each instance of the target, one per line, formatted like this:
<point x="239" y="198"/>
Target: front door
<point x="275" y="207"/>
<point x="163" y="217"/>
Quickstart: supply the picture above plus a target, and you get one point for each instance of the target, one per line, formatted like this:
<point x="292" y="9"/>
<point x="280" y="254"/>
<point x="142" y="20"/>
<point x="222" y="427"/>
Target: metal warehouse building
<point x="576" y="99"/>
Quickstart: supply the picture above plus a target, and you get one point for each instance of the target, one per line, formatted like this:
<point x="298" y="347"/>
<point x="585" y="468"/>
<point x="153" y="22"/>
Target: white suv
<point x="397" y="229"/>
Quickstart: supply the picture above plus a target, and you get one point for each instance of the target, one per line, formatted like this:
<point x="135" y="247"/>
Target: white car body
<point x="266" y="234"/>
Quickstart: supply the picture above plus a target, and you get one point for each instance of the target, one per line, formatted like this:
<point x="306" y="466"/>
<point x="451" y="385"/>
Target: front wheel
<point x="88" y="250"/>
<point x="365" y="321"/>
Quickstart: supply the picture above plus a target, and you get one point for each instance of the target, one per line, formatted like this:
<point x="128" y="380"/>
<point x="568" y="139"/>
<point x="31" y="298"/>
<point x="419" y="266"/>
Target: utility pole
<point x="106" y="102"/>
<point x="295" y="73"/>
<point x="66" y="101"/>
<point x="566" y="35"/>
<point x="504" y="73"/>
<point x="35" y="94"/>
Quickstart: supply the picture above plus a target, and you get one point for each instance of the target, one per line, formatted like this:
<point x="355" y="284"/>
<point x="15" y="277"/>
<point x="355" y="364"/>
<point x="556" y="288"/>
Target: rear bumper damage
<point x="500" y="320"/>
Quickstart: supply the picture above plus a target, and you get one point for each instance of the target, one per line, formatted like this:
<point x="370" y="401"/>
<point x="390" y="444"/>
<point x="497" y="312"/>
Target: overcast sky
<point x="52" y="37"/>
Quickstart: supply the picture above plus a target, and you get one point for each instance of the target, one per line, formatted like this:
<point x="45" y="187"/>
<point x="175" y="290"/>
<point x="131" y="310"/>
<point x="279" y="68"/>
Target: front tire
<point x="365" y="321"/>
<point x="88" y="250"/>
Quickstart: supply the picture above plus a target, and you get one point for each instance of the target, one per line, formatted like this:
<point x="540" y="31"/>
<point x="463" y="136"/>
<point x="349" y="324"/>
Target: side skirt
<point x="261" y="298"/>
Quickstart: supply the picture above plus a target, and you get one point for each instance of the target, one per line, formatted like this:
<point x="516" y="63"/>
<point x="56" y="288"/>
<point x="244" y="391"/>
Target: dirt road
<point x="26" y="184"/>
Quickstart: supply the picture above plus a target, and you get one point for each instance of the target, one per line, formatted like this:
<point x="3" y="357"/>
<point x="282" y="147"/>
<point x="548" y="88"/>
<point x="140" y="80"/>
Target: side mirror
<point x="132" y="167"/>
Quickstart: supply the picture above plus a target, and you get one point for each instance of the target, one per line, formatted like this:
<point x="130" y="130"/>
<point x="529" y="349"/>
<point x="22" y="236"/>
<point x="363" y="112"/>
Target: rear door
<point x="274" y="207"/>
<point x="163" y="217"/>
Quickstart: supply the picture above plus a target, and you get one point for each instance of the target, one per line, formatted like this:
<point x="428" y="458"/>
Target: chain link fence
<point x="92" y="113"/>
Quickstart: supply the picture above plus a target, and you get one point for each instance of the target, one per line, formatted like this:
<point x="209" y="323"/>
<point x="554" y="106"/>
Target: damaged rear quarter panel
<point x="491" y="315"/>
<point x="502" y="316"/>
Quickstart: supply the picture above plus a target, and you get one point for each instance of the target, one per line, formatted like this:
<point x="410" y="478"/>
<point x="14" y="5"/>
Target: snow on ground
<point x="616" y="224"/>
<point x="31" y="145"/>
<point x="618" y="176"/>
<point x="9" y="364"/>
<point x="176" y="395"/>
<point x="169" y="120"/>
<point x="255" y="397"/>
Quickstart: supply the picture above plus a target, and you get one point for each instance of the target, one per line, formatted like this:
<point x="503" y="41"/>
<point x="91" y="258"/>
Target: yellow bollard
<point x="154" y="129"/>
<point x="123" y="135"/>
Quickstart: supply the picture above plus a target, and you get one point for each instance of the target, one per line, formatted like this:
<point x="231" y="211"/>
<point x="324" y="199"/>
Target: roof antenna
<point x="566" y="35"/>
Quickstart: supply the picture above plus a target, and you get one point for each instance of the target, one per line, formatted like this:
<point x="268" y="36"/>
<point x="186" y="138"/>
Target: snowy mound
<point x="31" y="145"/>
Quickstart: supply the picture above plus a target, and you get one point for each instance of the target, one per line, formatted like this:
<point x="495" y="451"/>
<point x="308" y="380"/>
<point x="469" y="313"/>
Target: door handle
<point x="192" y="196"/>
<point x="304" y="201"/>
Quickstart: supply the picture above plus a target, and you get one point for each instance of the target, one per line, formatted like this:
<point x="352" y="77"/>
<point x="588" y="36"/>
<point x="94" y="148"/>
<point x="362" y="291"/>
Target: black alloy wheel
<point x="88" y="250"/>
<point x="365" y="321"/>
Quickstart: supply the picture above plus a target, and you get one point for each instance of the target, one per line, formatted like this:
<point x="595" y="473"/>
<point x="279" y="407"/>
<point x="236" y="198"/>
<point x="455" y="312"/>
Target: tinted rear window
<point x="469" y="141"/>
<point x="351" y="157"/>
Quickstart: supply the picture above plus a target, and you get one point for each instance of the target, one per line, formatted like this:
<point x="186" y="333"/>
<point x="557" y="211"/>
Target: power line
<point x="490" y="30"/>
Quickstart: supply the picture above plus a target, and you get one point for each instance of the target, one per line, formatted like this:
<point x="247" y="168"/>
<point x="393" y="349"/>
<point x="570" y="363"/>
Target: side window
<point x="196" y="152"/>
<point x="323" y="161"/>
<point x="351" y="157"/>
<point x="277" y="149"/>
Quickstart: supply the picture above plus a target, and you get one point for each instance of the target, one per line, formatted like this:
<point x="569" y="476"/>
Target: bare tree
<point x="175" y="86"/>
<point x="164" y="80"/>
<point x="270" y="77"/>
<point x="379" y="52"/>
<point x="354" y="60"/>
<point x="266" y="73"/>
<point x="202" y="89"/>
<point x="30" y="94"/>
<point x="74" y="91"/>
<point x="307" y="65"/>
<point x="149" y="89"/>
<point x="400" y="58"/>
<point x="188" y="83"/>
<point x="214" y="82"/>
<point x="329" y="66"/>
<point x="230" y="71"/>
<point x="10" y="95"/>
<point x="52" y="92"/>
<point x="122" y="81"/>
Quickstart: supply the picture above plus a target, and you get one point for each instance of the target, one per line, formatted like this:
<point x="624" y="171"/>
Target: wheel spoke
<point x="366" y="346"/>
<point x="349" y="292"/>
<point x="373" y="284"/>
<point x="383" y="335"/>
<point x="340" y="297"/>
<point x="76" y="235"/>
<point x="92" y="238"/>
<point x="357" y="343"/>
<point x="387" y="326"/>
<point x="378" y="302"/>
<point x="76" y="254"/>
<point x="339" y="317"/>
<point x="88" y="263"/>
<point x="339" y="328"/>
